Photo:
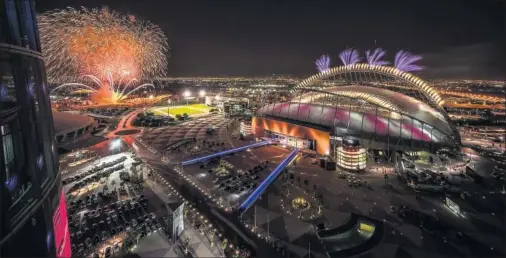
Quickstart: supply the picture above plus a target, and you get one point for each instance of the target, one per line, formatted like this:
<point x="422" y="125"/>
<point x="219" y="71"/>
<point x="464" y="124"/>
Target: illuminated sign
<point x="61" y="229"/>
<point x="366" y="227"/>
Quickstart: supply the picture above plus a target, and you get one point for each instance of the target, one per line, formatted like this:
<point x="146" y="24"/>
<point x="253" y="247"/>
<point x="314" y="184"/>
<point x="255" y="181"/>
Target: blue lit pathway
<point x="226" y="152"/>
<point x="267" y="181"/>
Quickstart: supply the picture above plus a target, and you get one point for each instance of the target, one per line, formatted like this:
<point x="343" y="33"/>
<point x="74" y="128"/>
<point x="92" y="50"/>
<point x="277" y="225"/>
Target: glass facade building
<point x="31" y="205"/>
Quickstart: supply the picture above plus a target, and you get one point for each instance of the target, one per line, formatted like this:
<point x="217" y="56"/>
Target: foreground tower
<point x="33" y="219"/>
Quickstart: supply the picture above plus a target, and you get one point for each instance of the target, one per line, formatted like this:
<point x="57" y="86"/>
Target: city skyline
<point x="250" y="38"/>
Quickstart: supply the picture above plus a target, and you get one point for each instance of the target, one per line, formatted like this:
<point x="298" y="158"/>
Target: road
<point x="228" y="223"/>
<point x="126" y="123"/>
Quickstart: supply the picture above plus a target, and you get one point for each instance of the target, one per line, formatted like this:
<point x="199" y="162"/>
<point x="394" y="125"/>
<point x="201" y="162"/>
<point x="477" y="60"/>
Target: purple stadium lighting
<point x="374" y="57"/>
<point x="350" y="56"/>
<point x="323" y="63"/>
<point x="404" y="61"/>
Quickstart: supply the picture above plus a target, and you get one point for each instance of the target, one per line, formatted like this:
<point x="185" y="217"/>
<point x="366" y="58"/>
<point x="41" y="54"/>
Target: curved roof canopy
<point x="390" y="100"/>
<point x="409" y="79"/>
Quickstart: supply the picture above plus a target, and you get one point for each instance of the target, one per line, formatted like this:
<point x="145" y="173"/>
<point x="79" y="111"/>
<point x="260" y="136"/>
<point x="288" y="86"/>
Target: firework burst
<point x="350" y="56"/>
<point x="323" y="63"/>
<point x="374" y="57"/>
<point x="101" y="51"/>
<point x="404" y="61"/>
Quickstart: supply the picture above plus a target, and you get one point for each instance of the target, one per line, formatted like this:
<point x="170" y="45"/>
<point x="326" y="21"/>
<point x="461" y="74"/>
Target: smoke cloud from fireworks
<point x="404" y="61"/>
<point x="323" y="63"/>
<point x="101" y="50"/>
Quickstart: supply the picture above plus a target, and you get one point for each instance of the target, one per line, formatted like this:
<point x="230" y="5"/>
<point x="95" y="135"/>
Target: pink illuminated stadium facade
<point x="382" y="107"/>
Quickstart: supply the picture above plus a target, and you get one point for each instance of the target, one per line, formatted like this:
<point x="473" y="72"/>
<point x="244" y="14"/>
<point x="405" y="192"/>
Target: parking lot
<point x="109" y="209"/>
<point x="231" y="178"/>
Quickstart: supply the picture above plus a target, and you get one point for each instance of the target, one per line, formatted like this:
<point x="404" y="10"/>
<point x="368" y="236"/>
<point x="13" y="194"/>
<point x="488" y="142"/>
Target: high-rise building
<point x="33" y="219"/>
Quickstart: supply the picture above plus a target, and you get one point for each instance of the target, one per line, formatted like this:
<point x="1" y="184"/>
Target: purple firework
<point x="350" y="56"/>
<point x="323" y="63"/>
<point x="404" y="61"/>
<point x="374" y="57"/>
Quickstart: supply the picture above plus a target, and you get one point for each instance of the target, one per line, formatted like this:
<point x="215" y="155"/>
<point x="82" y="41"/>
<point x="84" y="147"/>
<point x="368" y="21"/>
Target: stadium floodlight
<point x="404" y="61"/>
<point x="374" y="57"/>
<point x="202" y="93"/>
<point x="350" y="56"/>
<point x="187" y="94"/>
<point x="323" y="63"/>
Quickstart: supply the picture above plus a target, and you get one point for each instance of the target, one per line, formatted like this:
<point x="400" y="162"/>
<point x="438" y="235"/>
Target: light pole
<point x="186" y="95"/>
<point x="168" y="107"/>
<point x="202" y="93"/>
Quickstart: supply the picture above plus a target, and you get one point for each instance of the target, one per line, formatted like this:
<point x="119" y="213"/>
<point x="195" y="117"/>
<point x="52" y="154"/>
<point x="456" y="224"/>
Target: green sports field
<point x="193" y="109"/>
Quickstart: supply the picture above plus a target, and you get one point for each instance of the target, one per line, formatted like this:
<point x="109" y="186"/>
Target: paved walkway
<point x="199" y="244"/>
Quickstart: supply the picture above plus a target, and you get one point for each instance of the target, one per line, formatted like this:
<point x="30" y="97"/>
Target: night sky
<point x="459" y="38"/>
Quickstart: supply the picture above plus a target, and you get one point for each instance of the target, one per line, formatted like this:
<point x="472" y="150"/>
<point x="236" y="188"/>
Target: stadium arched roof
<point x="410" y="81"/>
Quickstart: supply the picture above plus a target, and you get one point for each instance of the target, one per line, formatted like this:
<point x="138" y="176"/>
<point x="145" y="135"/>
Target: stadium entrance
<point x="292" y="141"/>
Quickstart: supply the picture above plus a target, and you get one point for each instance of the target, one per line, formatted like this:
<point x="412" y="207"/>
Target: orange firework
<point x="101" y="51"/>
<point x="106" y="53"/>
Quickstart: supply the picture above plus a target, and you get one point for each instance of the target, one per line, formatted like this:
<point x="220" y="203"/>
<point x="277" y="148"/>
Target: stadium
<point x="344" y="111"/>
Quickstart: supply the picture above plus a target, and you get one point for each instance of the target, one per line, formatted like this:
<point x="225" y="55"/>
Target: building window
<point x="17" y="181"/>
<point x="7" y="87"/>
<point x="12" y="20"/>
<point x="29" y="24"/>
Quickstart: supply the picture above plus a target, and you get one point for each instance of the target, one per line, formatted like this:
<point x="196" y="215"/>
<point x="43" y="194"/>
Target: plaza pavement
<point x="158" y="245"/>
<point x="401" y="239"/>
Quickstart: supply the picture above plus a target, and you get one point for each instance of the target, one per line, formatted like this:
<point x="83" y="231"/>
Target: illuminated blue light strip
<point x="267" y="181"/>
<point x="223" y="153"/>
